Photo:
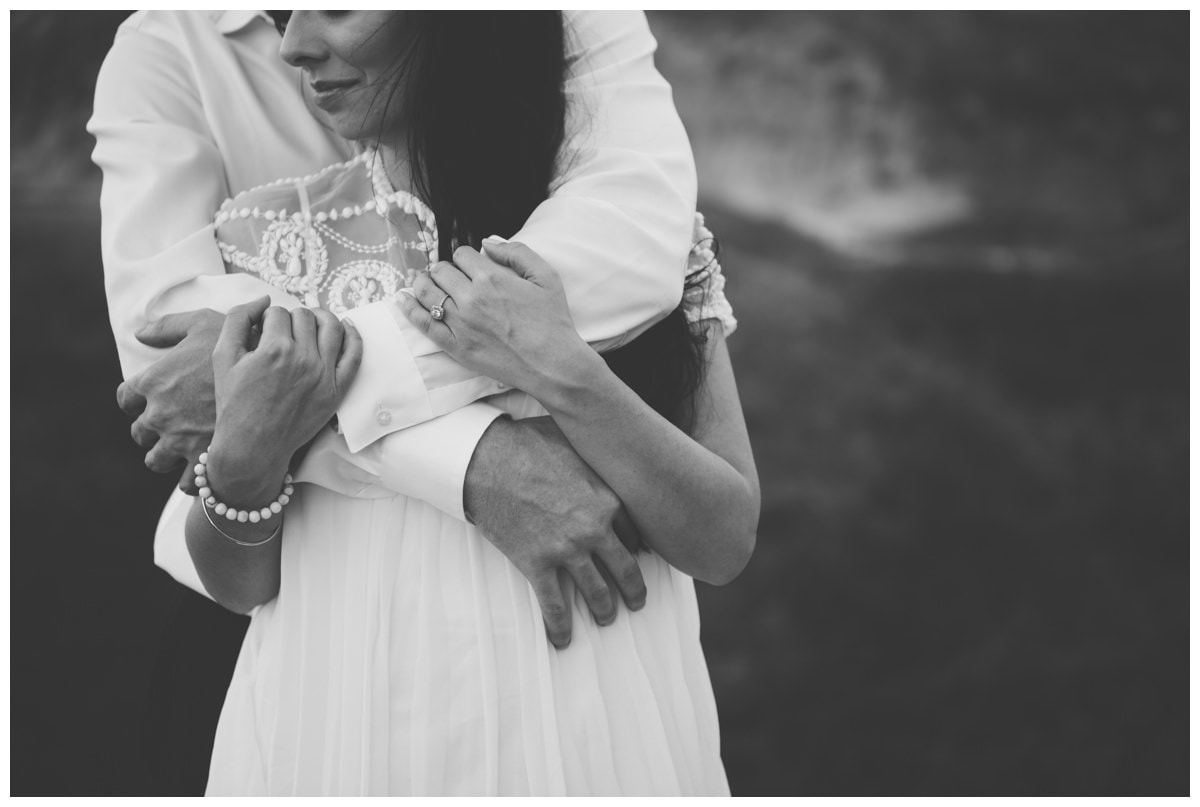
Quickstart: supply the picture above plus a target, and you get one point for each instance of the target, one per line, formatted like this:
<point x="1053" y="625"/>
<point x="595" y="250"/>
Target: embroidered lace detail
<point x="704" y="288"/>
<point x="337" y="239"/>
<point x="360" y="282"/>
<point x="342" y="238"/>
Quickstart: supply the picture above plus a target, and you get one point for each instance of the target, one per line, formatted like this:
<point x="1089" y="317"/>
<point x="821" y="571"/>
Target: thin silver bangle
<point x="267" y="540"/>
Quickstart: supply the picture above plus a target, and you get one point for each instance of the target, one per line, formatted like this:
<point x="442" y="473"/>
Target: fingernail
<point x="406" y="290"/>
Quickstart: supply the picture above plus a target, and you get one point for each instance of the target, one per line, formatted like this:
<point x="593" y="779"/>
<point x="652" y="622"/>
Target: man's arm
<point x="618" y="227"/>
<point x="163" y="178"/>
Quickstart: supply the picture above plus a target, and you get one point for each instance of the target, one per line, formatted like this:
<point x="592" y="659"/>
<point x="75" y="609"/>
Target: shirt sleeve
<point x="163" y="179"/>
<point x="618" y="227"/>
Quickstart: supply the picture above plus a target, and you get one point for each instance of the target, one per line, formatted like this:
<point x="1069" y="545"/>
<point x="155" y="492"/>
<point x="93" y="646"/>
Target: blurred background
<point x="957" y="244"/>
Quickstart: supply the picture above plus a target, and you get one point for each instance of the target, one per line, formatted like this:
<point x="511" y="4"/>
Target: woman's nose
<point x="302" y="42"/>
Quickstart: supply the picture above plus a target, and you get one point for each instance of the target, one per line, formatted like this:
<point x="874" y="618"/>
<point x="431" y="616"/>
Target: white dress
<point x="406" y="655"/>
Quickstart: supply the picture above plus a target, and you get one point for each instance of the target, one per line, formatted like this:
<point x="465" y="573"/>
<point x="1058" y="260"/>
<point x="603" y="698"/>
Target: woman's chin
<point x="339" y="118"/>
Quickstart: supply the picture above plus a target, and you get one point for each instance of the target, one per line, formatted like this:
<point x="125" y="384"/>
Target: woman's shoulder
<point x="336" y="238"/>
<point x="340" y="191"/>
<point x="333" y="187"/>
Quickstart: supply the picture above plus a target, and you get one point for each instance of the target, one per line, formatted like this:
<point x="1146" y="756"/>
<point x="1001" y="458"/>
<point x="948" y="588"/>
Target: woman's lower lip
<point x="329" y="97"/>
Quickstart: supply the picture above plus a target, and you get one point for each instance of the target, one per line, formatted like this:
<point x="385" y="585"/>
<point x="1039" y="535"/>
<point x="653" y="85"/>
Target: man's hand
<point x="172" y="399"/>
<point x="533" y="497"/>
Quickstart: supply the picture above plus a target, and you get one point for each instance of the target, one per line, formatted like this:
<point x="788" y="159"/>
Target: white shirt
<point x="192" y="108"/>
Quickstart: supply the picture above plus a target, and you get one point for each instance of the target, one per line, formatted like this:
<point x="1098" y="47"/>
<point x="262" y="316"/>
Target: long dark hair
<point x="484" y="104"/>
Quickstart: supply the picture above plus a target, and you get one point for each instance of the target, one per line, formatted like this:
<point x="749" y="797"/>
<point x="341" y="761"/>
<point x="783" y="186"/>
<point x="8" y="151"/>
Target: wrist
<point x="242" y="478"/>
<point x="243" y="533"/>
<point x="487" y="466"/>
<point x="579" y="374"/>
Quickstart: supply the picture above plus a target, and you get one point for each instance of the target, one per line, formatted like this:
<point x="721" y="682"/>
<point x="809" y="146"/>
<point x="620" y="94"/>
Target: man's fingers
<point x="351" y="358"/>
<point x="130" y="400"/>
<point x="625" y="529"/>
<point x="187" y="482"/>
<point x="595" y="590"/>
<point x="555" y="611"/>
<point x="236" y="331"/>
<point x="142" y="434"/>
<point x="162" y="459"/>
<point x="167" y="331"/>
<point x="625" y="572"/>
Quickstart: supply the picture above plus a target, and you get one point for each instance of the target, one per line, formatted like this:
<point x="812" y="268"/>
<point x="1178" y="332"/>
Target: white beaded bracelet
<point x="233" y="514"/>
<point x="239" y="542"/>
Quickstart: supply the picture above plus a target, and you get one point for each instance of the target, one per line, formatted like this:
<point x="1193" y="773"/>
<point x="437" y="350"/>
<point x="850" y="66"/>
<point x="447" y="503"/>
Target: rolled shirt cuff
<point x="429" y="462"/>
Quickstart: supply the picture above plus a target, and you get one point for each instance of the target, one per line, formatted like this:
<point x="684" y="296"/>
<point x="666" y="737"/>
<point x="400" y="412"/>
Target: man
<point x="193" y="108"/>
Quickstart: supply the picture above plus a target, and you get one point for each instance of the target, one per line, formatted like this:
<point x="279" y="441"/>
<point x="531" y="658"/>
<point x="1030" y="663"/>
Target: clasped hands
<point x="526" y="489"/>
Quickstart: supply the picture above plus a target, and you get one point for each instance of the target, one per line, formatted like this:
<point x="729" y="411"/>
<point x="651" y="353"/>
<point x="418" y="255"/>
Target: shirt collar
<point x="230" y="22"/>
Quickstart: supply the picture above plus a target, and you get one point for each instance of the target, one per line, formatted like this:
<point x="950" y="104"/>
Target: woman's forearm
<point x="694" y="507"/>
<point x="237" y="577"/>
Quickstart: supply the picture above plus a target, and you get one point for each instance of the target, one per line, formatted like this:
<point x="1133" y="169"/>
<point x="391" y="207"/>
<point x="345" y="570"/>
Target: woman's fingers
<point x="330" y="333"/>
<point x="437" y="332"/>
<point x="555" y="612"/>
<point x="304" y="328"/>
<point x="350" y="359"/>
<point x="277" y="324"/>
<point x="473" y="264"/>
<point x="595" y="590"/>
<point x="429" y="293"/>
<point x="449" y="277"/>
<point x="235" y="336"/>
<point x="522" y="260"/>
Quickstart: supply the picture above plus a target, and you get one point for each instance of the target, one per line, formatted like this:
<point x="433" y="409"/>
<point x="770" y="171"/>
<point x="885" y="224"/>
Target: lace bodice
<point x="337" y="239"/>
<point x="342" y="238"/>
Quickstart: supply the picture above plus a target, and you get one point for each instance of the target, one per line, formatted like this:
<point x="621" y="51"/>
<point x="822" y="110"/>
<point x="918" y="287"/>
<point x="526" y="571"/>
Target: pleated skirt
<point x="405" y="655"/>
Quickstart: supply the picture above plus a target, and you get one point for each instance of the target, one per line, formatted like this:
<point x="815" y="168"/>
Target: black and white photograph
<point x="599" y="403"/>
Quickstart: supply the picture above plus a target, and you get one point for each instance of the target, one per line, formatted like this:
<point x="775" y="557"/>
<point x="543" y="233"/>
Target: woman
<point x="392" y="649"/>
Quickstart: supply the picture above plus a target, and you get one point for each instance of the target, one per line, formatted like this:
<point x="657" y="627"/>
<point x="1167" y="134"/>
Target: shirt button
<point x="384" y="418"/>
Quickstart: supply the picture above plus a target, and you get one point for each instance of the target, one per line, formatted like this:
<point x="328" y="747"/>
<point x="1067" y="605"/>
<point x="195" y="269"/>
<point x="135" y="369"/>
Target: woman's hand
<point x="273" y="397"/>
<point x="505" y="315"/>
